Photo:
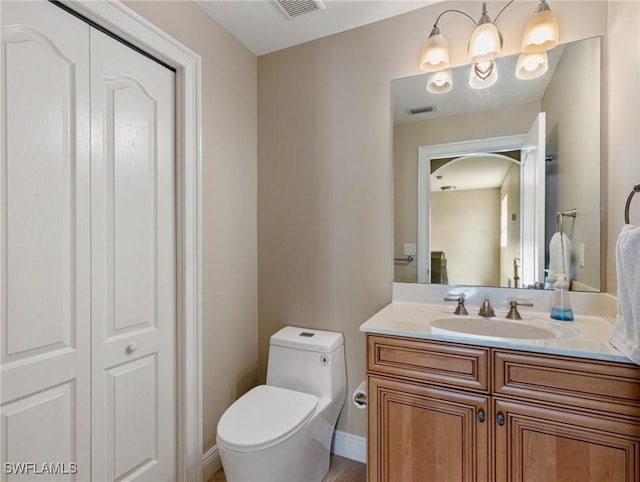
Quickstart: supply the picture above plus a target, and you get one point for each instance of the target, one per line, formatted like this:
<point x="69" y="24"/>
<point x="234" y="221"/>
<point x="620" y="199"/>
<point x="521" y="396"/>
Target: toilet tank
<point x="309" y="361"/>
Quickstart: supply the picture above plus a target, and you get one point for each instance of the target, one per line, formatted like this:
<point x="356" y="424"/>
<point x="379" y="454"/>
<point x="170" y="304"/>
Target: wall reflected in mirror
<point x="477" y="197"/>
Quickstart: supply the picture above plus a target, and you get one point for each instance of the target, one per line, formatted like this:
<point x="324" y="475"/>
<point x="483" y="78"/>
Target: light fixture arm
<point x="459" y="12"/>
<point x="436" y="24"/>
<point x="503" y="9"/>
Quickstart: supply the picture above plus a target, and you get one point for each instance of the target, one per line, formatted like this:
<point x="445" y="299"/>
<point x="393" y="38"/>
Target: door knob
<point x="131" y="347"/>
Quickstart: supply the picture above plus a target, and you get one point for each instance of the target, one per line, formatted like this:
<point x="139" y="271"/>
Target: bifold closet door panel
<point x="44" y="242"/>
<point x="133" y="265"/>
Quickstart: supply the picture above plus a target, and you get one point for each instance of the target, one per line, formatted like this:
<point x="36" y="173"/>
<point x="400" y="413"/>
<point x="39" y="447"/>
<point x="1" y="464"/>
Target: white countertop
<point x="414" y="320"/>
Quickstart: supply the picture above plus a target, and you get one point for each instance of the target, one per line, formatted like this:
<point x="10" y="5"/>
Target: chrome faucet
<point x="460" y="309"/>
<point x="513" y="308"/>
<point x="486" y="310"/>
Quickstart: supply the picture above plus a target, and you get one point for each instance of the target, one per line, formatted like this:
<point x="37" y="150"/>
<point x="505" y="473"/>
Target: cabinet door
<point x="536" y="443"/>
<point x="421" y="433"/>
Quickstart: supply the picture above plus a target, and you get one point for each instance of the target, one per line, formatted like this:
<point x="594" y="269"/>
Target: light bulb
<point x="530" y="66"/>
<point x="435" y="54"/>
<point x="485" y="43"/>
<point x="542" y="31"/>
<point x="440" y="82"/>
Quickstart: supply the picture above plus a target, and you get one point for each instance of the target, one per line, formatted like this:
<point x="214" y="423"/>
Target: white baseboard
<point x="343" y="444"/>
<point x="349" y="446"/>
<point x="211" y="463"/>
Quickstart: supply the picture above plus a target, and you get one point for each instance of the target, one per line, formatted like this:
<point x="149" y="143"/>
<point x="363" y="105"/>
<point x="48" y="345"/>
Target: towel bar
<point x="635" y="189"/>
<point x="407" y="260"/>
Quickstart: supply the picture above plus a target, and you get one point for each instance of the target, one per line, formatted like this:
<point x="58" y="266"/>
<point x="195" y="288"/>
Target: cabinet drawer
<point x="597" y="385"/>
<point x="430" y="361"/>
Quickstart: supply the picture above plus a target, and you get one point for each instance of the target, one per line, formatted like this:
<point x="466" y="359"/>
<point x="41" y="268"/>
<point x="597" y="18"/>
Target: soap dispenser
<point x="561" y="308"/>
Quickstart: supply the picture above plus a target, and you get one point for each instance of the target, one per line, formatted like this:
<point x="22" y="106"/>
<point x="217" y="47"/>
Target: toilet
<point x="282" y="431"/>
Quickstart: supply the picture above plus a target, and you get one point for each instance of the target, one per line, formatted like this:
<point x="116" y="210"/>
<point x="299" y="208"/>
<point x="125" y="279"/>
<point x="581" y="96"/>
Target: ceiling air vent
<point x="422" y="110"/>
<point x="295" y="8"/>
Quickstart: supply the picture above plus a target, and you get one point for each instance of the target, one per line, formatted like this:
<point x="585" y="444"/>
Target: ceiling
<point x="483" y="171"/>
<point x="261" y="26"/>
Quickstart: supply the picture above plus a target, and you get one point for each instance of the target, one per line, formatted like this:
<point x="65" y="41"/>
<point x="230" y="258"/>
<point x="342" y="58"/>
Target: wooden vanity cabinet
<point x="444" y="412"/>
<point x="429" y="411"/>
<point x="561" y="418"/>
<point x="428" y="434"/>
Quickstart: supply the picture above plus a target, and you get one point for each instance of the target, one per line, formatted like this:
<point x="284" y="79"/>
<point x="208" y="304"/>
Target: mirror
<point x="501" y="186"/>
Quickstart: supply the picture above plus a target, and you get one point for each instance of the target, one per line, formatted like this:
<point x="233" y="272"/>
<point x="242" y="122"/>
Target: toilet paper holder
<point x="360" y="400"/>
<point x="359" y="396"/>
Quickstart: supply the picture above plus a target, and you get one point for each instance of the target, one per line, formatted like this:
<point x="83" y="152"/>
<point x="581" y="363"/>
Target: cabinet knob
<point x="500" y="419"/>
<point x="481" y="416"/>
<point x="131" y="347"/>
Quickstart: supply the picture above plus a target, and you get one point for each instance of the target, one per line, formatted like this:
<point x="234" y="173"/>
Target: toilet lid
<point x="263" y="416"/>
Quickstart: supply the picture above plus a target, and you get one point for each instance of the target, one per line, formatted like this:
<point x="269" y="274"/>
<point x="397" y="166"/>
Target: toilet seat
<point x="263" y="417"/>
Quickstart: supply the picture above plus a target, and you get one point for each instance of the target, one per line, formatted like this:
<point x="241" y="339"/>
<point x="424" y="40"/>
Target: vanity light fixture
<point x="542" y="31"/>
<point x="440" y="82"/>
<point x="530" y="66"/>
<point x="435" y="54"/>
<point x="483" y="74"/>
<point x="485" y="44"/>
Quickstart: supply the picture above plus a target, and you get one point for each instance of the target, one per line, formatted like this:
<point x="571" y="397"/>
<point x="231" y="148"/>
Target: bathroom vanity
<point x="451" y="407"/>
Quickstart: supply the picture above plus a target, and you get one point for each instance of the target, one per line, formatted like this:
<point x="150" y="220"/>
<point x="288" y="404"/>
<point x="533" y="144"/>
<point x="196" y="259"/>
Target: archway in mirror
<point x="475" y="197"/>
<point x="484" y="242"/>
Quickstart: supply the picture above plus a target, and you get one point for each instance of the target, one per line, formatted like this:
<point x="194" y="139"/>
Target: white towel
<point x="559" y="249"/>
<point x="626" y="331"/>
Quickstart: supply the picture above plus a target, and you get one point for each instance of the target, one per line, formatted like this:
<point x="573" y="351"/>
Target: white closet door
<point x="133" y="265"/>
<point x="44" y="242"/>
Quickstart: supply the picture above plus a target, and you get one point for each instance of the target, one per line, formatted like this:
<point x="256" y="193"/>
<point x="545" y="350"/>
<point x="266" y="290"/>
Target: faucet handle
<point x="486" y="310"/>
<point x="513" y="308"/>
<point x="460" y="309"/>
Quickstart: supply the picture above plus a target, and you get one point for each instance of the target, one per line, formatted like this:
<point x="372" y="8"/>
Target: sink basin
<point x="497" y="329"/>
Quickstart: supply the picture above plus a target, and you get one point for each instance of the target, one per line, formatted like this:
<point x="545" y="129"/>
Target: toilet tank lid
<point x="308" y="339"/>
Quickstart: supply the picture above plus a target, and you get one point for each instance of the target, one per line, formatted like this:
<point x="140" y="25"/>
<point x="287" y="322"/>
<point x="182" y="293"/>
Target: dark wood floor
<point x="341" y="470"/>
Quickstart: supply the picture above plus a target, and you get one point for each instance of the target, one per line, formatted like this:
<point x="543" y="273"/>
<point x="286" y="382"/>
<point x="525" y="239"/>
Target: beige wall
<point x="623" y="133"/>
<point x="466" y="226"/>
<point x="573" y="139"/>
<point x="229" y="183"/>
<point x="325" y="191"/>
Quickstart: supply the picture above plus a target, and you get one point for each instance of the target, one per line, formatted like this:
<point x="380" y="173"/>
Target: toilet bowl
<point x="282" y="431"/>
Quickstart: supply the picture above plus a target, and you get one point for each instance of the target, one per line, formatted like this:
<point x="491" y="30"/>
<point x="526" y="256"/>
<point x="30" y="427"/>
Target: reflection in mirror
<point x="481" y="175"/>
<point x="475" y="204"/>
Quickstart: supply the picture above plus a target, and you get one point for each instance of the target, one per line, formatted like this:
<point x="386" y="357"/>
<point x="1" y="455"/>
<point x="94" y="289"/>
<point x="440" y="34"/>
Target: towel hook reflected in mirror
<point x="571" y="213"/>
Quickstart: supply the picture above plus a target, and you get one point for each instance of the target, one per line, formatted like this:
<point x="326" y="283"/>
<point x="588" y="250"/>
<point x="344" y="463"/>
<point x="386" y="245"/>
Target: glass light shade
<point x="485" y="43"/>
<point x="483" y="75"/>
<point x="440" y="82"/>
<point x="435" y="54"/>
<point x="541" y="34"/>
<point x="530" y="66"/>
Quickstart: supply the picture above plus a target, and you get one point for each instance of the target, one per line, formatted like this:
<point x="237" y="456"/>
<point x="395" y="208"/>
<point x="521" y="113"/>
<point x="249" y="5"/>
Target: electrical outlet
<point x="581" y="255"/>
<point x="409" y="249"/>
